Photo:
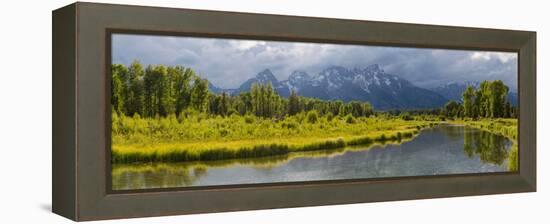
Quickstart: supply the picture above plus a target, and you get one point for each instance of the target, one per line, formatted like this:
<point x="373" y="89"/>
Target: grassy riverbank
<point x="202" y="138"/>
<point x="506" y="127"/>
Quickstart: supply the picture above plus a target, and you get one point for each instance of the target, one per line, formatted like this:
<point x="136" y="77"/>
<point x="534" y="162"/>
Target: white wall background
<point x="25" y="112"/>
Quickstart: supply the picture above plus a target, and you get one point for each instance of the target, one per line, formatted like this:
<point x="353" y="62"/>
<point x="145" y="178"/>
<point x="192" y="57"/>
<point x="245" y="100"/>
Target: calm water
<point x="444" y="149"/>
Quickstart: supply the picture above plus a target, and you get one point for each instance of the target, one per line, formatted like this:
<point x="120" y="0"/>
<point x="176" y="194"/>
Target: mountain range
<point x="384" y="91"/>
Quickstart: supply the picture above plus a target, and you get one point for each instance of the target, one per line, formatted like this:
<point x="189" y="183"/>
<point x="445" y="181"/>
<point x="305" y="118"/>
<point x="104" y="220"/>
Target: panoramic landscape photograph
<point x="195" y="111"/>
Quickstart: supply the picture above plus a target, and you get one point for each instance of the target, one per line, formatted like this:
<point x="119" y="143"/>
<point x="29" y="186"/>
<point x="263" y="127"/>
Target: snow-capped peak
<point x="299" y="77"/>
<point x="296" y="80"/>
<point x="373" y="68"/>
<point x="266" y="75"/>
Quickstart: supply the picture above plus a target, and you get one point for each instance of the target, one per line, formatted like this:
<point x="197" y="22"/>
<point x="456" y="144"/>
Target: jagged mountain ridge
<point x="265" y="77"/>
<point x="384" y="91"/>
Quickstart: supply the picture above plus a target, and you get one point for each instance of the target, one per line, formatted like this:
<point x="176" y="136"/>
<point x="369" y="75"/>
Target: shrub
<point x="312" y="116"/>
<point x="224" y="132"/>
<point x="350" y="119"/>
<point x="300" y="117"/>
<point x="329" y="116"/>
<point x="248" y="119"/>
<point x="406" y="117"/>
<point x="289" y="125"/>
<point x="381" y="138"/>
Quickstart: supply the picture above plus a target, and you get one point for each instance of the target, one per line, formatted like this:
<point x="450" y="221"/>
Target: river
<point x="443" y="149"/>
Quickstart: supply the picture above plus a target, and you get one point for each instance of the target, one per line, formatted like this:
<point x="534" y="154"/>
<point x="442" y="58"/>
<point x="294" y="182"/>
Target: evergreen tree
<point x="293" y="103"/>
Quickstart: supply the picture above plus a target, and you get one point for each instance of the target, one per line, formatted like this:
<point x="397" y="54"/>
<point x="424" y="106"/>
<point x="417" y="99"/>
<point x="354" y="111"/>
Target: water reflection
<point x="489" y="147"/>
<point x="159" y="175"/>
<point x="445" y="149"/>
<point x="164" y="175"/>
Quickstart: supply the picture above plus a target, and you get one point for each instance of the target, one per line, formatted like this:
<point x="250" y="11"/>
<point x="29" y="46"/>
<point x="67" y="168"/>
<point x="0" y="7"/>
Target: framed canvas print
<point x="201" y="111"/>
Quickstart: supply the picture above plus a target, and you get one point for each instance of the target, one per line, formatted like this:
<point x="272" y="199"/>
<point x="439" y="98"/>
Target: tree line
<point x="159" y="90"/>
<point x="489" y="100"/>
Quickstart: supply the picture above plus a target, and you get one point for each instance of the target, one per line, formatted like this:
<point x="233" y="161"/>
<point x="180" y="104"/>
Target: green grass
<point x="503" y="126"/>
<point x="204" y="138"/>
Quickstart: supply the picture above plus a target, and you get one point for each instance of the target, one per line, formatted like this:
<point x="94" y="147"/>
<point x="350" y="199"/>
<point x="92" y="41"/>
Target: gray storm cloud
<point x="227" y="62"/>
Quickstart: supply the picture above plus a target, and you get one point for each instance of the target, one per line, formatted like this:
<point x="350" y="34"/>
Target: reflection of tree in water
<point x="162" y="175"/>
<point x="489" y="147"/>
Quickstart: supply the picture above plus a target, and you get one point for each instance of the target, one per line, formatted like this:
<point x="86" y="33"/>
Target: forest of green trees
<point x="490" y="100"/>
<point x="163" y="90"/>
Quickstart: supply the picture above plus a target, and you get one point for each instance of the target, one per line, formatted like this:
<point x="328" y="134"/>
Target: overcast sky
<point x="227" y="63"/>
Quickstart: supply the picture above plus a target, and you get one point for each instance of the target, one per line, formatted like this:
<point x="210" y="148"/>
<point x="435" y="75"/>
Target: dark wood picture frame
<point x="81" y="111"/>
